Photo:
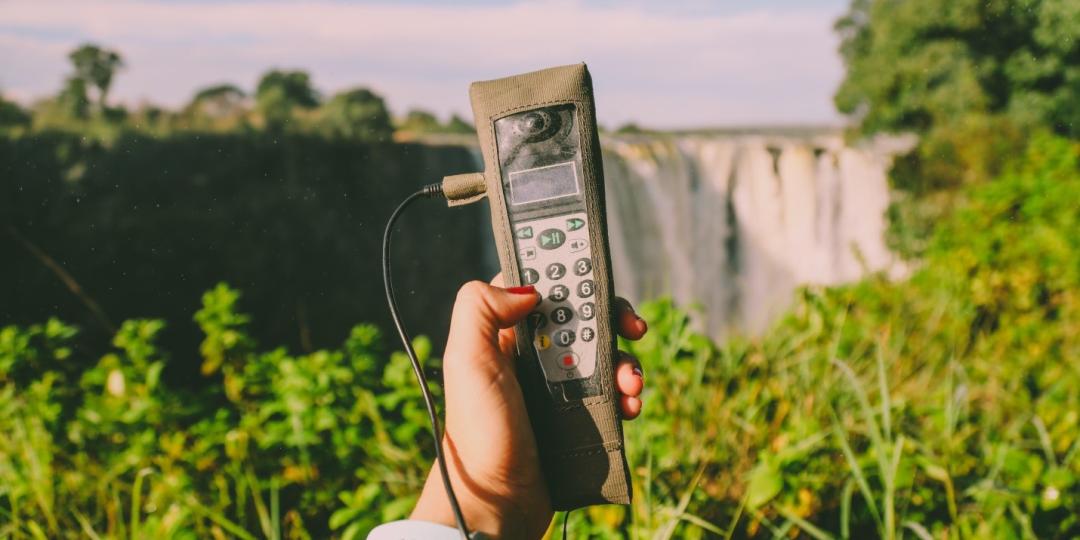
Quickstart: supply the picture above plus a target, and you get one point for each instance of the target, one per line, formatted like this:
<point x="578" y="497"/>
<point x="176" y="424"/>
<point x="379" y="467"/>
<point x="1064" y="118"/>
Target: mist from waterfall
<point x="735" y="223"/>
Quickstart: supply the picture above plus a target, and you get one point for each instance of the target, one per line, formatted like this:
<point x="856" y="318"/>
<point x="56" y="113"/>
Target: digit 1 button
<point x="574" y="224"/>
<point x="559" y="293"/>
<point x="586" y="288"/>
<point x="524" y="233"/>
<point x="530" y="276"/>
<point x="564" y="338"/>
<point x="555" y="271"/>
<point x="582" y="266"/>
<point x="562" y="315"/>
<point x="552" y="238"/>
<point x="587" y="334"/>
<point x="587" y="311"/>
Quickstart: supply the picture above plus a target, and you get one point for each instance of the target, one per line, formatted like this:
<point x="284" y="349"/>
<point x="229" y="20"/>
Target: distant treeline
<point x="283" y="101"/>
<point x="95" y="233"/>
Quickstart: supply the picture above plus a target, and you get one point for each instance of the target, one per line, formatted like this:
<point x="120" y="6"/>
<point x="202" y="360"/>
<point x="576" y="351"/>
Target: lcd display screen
<point x="543" y="183"/>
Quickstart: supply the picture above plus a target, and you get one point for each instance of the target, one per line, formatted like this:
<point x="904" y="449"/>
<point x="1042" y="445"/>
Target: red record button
<point x="568" y="360"/>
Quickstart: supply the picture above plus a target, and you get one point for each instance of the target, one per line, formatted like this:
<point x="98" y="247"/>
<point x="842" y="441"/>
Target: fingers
<point x="630" y="325"/>
<point x="480" y="311"/>
<point x="629" y="380"/>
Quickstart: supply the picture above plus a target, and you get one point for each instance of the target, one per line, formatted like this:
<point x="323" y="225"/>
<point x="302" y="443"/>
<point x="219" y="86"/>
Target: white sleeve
<point x="413" y="530"/>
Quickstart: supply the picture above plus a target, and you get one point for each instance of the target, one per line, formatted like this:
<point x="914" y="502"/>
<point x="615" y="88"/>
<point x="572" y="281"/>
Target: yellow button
<point x="542" y="342"/>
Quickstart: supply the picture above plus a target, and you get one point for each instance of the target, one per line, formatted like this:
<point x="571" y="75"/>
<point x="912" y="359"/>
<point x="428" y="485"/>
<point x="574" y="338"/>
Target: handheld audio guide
<point x="544" y="181"/>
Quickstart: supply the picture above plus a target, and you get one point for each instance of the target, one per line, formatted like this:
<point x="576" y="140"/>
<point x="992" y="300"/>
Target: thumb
<point x="480" y="311"/>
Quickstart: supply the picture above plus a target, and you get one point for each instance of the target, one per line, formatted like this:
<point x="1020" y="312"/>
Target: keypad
<point x="553" y="254"/>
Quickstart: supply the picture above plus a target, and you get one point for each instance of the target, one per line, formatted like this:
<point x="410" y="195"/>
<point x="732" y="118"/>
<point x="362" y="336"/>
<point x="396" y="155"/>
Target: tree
<point x="218" y="101"/>
<point x="920" y="64"/>
<point x="12" y="115"/>
<point x="971" y="78"/>
<point x="280" y="94"/>
<point x="356" y="114"/>
<point x="419" y="121"/>
<point x="95" y="67"/>
<point x="458" y="124"/>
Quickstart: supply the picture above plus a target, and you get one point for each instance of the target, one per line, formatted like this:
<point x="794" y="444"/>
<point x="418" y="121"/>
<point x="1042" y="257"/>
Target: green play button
<point x="552" y="238"/>
<point x="574" y="224"/>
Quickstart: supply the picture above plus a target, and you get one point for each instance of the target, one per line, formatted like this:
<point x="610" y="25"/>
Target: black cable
<point x="565" y="520"/>
<point x="429" y="191"/>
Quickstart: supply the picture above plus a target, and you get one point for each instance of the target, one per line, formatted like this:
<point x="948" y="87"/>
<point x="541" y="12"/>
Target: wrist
<point x="489" y="507"/>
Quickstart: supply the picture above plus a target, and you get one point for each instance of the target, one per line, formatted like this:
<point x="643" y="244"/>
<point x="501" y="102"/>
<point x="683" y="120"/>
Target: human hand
<point x="490" y="450"/>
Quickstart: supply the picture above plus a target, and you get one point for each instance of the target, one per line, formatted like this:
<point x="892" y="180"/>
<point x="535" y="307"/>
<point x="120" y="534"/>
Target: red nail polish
<point x="637" y="371"/>
<point x="525" y="289"/>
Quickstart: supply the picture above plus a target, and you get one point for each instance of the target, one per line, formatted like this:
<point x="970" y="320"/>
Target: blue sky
<point x="664" y="64"/>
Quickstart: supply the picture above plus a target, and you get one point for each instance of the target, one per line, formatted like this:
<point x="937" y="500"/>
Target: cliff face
<point x="144" y="226"/>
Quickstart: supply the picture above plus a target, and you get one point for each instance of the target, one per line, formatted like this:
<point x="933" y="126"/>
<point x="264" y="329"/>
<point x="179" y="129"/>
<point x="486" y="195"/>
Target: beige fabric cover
<point x="581" y="444"/>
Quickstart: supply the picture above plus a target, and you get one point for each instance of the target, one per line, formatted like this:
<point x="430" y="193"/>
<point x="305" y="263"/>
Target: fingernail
<point x="644" y="325"/>
<point x="524" y="289"/>
<point x="637" y="371"/>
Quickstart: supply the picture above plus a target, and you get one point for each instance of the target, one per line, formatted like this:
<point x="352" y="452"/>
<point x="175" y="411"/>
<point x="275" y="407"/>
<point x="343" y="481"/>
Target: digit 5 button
<point x="559" y="293"/>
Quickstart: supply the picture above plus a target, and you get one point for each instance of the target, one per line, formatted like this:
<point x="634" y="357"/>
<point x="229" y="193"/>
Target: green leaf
<point x="765" y="483"/>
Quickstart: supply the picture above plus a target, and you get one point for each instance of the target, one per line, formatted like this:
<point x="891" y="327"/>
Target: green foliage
<point x="419" y="122"/>
<point x="357" y="114"/>
<point x="95" y="67"/>
<point x="281" y="95"/>
<point x="973" y="79"/>
<point x="12" y="116"/>
<point x="921" y="64"/>
<point x="272" y="443"/>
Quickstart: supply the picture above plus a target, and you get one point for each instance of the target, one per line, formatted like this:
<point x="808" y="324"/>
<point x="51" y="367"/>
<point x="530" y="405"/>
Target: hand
<point x="490" y="450"/>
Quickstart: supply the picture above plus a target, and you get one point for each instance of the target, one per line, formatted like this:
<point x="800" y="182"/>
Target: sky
<point x="662" y="64"/>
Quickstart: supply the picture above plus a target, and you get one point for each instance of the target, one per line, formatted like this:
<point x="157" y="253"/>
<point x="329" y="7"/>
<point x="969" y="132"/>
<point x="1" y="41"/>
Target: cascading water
<point x="734" y="223"/>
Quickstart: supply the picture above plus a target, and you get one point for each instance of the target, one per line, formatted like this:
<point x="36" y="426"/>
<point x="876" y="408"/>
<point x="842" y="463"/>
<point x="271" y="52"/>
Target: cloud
<point x="664" y="69"/>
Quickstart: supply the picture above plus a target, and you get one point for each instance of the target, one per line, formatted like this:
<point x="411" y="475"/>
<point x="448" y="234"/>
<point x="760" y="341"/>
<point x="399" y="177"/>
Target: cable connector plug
<point x="462" y="189"/>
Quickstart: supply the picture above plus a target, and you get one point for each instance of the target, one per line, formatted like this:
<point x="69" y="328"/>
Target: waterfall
<point x="734" y="223"/>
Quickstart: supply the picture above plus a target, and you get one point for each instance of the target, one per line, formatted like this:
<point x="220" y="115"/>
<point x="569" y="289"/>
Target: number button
<point x="564" y="338"/>
<point x="559" y="293"/>
<point x="562" y="315"/>
<point x="530" y="276"/>
<point x="587" y="334"/>
<point x="586" y="288"/>
<point x="537" y="320"/>
<point x="552" y="238"/>
<point x="555" y="271"/>
<point x="587" y="311"/>
<point x="582" y="266"/>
